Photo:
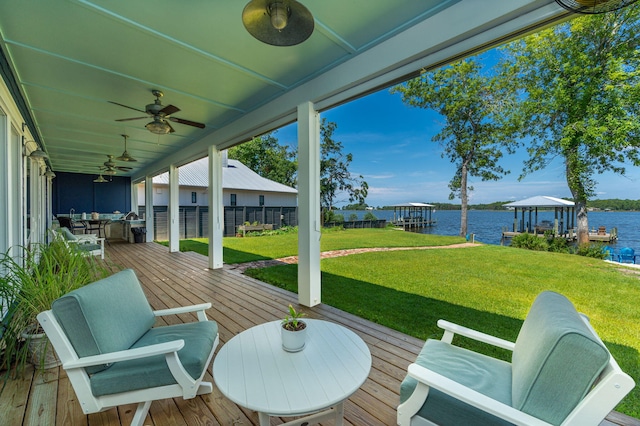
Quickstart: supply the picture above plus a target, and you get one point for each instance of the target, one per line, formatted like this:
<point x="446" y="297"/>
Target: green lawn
<point x="489" y="288"/>
<point x="241" y="250"/>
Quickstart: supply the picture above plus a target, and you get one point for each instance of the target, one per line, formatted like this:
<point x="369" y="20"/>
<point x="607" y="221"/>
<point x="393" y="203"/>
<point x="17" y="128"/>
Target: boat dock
<point x="413" y="216"/>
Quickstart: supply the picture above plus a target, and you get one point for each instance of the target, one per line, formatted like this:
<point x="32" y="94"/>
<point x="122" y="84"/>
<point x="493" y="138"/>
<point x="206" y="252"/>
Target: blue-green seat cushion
<point x="489" y="376"/>
<point x="125" y="376"/>
<point x="556" y="359"/>
<point x="88" y="247"/>
<point x="106" y="316"/>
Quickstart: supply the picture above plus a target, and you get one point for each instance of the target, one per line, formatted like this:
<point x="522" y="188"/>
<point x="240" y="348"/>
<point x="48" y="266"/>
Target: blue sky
<point x="392" y="148"/>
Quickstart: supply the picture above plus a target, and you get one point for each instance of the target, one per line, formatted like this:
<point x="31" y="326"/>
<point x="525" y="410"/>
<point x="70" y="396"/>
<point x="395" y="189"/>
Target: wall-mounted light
<point x="38" y="153"/>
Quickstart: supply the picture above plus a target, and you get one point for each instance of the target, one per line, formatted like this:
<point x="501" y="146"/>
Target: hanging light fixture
<point x="590" y="7"/>
<point x="125" y="155"/>
<point x="278" y="22"/>
<point x="100" y="179"/>
<point x="49" y="174"/>
<point x="158" y="126"/>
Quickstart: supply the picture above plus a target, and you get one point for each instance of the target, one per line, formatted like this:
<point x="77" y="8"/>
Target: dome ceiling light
<point x="278" y="22"/>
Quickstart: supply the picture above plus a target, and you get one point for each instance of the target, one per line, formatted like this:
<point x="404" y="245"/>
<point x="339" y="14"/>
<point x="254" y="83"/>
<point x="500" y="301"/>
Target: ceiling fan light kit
<point x="278" y="22"/>
<point x="590" y="7"/>
<point x="158" y="127"/>
<point x="160" y="114"/>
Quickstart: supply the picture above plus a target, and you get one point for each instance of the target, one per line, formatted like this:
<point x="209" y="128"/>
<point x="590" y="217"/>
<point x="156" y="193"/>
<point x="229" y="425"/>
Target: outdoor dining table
<point x="96" y="225"/>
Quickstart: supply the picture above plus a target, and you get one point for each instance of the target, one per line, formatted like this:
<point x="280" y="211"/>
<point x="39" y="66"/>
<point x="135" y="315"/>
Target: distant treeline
<point x="612" y="204"/>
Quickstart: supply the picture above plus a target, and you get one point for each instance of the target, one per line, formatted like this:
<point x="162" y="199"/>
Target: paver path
<point x="290" y="260"/>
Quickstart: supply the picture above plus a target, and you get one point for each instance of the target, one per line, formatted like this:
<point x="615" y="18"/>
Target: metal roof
<point x="413" y="205"/>
<point x="541" y="201"/>
<point x="234" y="176"/>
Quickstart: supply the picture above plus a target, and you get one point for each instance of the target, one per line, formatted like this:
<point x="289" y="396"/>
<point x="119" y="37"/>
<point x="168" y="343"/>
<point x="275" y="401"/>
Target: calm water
<point x="487" y="224"/>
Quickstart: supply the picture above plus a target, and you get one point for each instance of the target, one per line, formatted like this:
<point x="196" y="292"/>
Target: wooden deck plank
<point x="238" y="302"/>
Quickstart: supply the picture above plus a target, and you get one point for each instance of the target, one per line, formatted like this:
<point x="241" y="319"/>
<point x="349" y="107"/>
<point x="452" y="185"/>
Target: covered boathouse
<point x="411" y="216"/>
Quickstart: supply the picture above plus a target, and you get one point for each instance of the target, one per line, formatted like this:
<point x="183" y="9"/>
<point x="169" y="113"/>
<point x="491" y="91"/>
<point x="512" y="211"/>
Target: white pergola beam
<point x="309" y="285"/>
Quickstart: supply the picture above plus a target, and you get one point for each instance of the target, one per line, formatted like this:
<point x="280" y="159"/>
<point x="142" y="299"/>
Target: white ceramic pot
<point x="294" y="341"/>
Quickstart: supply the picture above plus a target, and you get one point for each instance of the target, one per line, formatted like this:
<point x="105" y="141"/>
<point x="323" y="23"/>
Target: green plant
<point x="37" y="276"/>
<point x="292" y="320"/>
<point x="353" y="217"/>
<point x="530" y="242"/>
<point x="594" y="250"/>
<point x="369" y="216"/>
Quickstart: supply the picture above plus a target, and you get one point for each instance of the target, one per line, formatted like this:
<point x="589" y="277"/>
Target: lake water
<point x="487" y="224"/>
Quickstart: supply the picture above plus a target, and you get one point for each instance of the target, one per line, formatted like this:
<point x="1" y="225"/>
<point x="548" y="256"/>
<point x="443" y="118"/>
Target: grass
<point x="248" y="249"/>
<point x="489" y="288"/>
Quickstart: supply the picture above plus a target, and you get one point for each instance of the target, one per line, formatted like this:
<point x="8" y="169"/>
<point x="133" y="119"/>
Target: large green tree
<point x="579" y="89"/>
<point x="335" y="178"/>
<point x="265" y="156"/>
<point x="473" y="135"/>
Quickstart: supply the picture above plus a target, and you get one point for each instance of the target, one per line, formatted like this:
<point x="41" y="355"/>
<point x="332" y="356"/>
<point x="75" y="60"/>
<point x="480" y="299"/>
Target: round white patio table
<point x="254" y="371"/>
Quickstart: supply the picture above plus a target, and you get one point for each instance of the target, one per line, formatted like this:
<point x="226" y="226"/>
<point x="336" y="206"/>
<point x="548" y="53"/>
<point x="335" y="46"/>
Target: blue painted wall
<point x="78" y="191"/>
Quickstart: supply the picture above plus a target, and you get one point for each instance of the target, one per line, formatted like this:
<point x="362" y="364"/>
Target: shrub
<point x="530" y="242"/>
<point x="369" y="216"/>
<point x="594" y="250"/>
<point x="353" y="217"/>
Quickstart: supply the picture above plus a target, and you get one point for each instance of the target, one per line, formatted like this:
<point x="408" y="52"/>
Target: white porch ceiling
<point x="71" y="57"/>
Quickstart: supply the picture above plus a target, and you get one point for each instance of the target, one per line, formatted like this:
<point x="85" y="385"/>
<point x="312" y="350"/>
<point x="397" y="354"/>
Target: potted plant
<point x="33" y="278"/>
<point x="294" y="331"/>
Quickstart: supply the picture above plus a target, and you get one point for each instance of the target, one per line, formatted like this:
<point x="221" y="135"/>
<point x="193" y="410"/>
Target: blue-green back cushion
<point x="64" y="231"/>
<point x="555" y="361"/>
<point x="489" y="376"/>
<point x="106" y="316"/>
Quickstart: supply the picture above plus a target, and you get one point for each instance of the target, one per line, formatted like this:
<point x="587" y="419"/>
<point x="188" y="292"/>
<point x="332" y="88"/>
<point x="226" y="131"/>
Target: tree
<point x="474" y="134"/>
<point x="579" y="91"/>
<point x="335" y="178"/>
<point x="265" y="156"/>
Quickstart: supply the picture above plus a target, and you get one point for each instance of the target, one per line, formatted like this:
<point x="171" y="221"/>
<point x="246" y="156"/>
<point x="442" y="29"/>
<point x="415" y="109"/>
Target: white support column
<point x="134" y="197"/>
<point x="148" y="208"/>
<point x="173" y="220"/>
<point x="309" y="287"/>
<point x="216" y="208"/>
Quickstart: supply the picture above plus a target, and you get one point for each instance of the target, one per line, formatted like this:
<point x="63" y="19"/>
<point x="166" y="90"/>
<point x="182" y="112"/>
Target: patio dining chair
<point x="72" y="225"/>
<point x="560" y="374"/>
<point x="104" y="336"/>
<point x="627" y="255"/>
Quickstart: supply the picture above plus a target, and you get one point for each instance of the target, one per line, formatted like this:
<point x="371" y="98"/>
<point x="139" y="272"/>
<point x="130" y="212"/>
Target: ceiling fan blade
<point x="126" y="106"/>
<point x="123" y="168"/>
<point x="169" y="109"/>
<point x="187" y="122"/>
<point x="129" y="119"/>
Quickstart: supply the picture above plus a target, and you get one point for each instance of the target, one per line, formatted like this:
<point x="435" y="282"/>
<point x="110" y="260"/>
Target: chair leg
<point x="141" y="413"/>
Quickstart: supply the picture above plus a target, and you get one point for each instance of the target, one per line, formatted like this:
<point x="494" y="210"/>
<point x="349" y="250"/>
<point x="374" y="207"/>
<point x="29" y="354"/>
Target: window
<point x="233" y="200"/>
<point x="194" y="197"/>
<point x="261" y="200"/>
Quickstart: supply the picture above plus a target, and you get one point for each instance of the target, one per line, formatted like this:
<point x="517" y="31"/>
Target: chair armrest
<point x="472" y="397"/>
<point x="129" y="354"/>
<point x="451" y="329"/>
<point x="200" y="309"/>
